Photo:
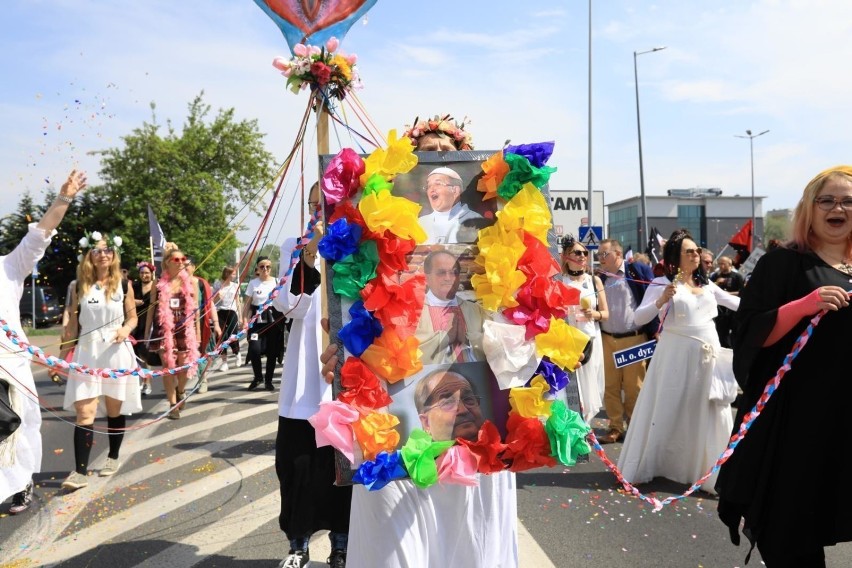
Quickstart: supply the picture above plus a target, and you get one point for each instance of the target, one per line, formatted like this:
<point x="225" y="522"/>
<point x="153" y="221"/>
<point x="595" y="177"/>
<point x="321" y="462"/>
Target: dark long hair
<point x="671" y="257"/>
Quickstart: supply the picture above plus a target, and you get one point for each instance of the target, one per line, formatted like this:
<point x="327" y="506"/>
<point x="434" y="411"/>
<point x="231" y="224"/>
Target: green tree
<point x="195" y="180"/>
<point x="13" y="226"/>
<point x="776" y="227"/>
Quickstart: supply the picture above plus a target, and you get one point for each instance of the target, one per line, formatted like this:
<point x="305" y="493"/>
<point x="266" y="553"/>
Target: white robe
<point x="17" y="470"/>
<point x="449" y="227"/>
<point x="402" y="526"/>
<point x="302" y="384"/>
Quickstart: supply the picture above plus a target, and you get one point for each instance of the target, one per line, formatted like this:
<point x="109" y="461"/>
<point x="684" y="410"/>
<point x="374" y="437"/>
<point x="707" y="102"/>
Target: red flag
<point x="741" y="242"/>
<point x="743" y="238"/>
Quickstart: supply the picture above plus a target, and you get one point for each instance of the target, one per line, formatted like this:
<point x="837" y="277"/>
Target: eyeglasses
<point x="451" y="402"/>
<point x="697" y="251"/>
<point x="443" y="273"/>
<point x="579" y="252"/>
<point x="265" y="267"/>
<point x="603" y="255"/>
<point x="100" y="251"/>
<point x="178" y="259"/>
<point x="829" y="202"/>
<point x="438" y="184"/>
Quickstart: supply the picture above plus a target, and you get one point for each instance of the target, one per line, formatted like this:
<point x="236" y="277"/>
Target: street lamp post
<point x="636" y="54"/>
<point x="751" y="138"/>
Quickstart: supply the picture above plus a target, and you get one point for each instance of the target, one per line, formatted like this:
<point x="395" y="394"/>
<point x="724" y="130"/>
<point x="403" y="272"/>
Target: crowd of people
<point x="660" y="406"/>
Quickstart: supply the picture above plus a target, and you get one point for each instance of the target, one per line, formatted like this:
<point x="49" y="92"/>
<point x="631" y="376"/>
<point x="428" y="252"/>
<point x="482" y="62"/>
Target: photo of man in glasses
<point x="448" y="406"/>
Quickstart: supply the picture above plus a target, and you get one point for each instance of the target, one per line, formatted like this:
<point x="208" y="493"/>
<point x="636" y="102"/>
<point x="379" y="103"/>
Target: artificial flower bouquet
<point x="325" y="68"/>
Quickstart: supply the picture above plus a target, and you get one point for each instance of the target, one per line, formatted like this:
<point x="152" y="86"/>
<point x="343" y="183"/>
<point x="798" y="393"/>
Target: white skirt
<point x="96" y="353"/>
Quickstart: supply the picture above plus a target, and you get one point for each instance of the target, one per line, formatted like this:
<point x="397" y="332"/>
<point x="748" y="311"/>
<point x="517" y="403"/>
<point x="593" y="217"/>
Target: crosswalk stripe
<point x="113" y="527"/>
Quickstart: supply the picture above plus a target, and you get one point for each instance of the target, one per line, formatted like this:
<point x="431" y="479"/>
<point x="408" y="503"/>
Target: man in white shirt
<point x="450" y="220"/>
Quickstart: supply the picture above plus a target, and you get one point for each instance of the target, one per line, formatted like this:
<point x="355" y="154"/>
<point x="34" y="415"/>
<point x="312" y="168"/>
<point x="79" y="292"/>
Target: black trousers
<point x="310" y="501"/>
<point x="228" y="323"/>
<point x="265" y="339"/>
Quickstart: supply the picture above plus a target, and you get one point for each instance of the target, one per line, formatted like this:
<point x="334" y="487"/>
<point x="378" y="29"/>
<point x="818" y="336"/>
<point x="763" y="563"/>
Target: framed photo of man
<point x="456" y="390"/>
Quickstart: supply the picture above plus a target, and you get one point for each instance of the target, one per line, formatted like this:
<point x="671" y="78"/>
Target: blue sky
<point x="77" y="75"/>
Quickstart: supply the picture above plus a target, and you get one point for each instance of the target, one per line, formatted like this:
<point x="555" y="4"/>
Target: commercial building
<point x="712" y="217"/>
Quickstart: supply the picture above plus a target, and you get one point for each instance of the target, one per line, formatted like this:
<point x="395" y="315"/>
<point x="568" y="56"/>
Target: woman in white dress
<point x="20" y="453"/>
<point x="586" y="318"/>
<point x="106" y="312"/>
<point x="677" y="432"/>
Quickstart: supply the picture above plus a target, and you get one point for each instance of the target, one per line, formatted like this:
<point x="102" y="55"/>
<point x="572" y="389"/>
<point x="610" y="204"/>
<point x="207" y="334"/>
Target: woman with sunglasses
<point x="677" y="431"/>
<point x="177" y="330"/>
<point x="266" y="335"/>
<point x="104" y="312"/>
<point x="586" y="317"/>
<point x="785" y="483"/>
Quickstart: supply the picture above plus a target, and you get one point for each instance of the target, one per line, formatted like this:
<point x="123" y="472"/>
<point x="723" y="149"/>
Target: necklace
<point x="844" y="267"/>
<point x="575" y="272"/>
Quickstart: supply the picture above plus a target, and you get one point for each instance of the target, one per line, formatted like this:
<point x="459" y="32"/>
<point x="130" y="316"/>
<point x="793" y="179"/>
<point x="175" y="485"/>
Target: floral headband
<point x="445" y="127"/>
<point x="89" y="239"/>
<point x="143" y="264"/>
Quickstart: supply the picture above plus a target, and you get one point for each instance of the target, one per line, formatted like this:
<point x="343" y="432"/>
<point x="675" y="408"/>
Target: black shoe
<point x="296" y="559"/>
<point x="254" y="384"/>
<point x="22" y="499"/>
<point x="337" y="559"/>
<point x="269" y="387"/>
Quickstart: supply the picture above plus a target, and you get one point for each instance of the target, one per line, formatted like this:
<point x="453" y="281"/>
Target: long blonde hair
<point x="87" y="274"/>
<point x="803" y="217"/>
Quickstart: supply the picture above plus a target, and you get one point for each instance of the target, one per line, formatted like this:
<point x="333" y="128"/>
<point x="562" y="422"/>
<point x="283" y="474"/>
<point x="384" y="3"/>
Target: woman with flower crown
<point x="178" y="324"/>
<point x="102" y="317"/>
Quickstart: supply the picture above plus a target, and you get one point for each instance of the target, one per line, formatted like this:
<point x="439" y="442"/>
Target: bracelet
<point x="65" y="198"/>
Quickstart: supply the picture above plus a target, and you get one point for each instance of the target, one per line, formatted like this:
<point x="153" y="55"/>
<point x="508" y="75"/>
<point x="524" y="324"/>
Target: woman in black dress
<point x="786" y="480"/>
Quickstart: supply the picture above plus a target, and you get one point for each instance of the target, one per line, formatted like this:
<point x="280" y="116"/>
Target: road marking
<point x="132" y="518"/>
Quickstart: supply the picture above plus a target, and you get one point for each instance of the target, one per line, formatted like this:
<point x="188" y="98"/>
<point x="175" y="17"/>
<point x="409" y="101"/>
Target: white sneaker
<point x="239" y="359"/>
<point x="146" y="389"/>
<point x="202" y="388"/>
<point x="217" y="364"/>
<point x="75" y="481"/>
<point x="110" y="467"/>
<point x="224" y="368"/>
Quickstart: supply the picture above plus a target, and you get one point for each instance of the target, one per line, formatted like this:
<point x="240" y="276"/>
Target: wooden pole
<point x="322" y="148"/>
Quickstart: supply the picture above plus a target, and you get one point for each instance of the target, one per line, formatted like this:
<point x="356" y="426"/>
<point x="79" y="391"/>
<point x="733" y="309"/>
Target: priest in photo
<point x="450" y="221"/>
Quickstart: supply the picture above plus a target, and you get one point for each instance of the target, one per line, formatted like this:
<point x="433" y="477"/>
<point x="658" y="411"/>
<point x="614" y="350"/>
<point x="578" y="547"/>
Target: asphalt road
<point x="201" y="492"/>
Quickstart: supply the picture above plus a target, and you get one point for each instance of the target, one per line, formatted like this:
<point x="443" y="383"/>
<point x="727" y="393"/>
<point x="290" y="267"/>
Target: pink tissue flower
<point x="341" y="178"/>
<point x="300" y="50"/>
<point x="332" y="44"/>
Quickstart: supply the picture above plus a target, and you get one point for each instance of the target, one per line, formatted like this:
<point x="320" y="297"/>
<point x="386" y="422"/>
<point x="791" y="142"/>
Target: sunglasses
<point x="265" y="267"/>
<point x="579" y="252"/>
<point x="698" y="250"/>
<point x="100" y="251"/>
<point x="178" y="259"/>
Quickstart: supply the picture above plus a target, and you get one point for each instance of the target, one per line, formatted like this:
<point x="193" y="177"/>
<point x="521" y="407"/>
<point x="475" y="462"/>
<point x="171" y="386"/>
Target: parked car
<point x="48" y="310"/>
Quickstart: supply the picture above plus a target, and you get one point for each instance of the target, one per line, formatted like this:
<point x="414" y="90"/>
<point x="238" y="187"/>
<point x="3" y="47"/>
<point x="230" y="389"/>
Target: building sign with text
<point x="571" y="210"/>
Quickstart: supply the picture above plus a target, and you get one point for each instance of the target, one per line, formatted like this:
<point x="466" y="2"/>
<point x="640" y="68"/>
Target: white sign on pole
<point x="571" y="210"/>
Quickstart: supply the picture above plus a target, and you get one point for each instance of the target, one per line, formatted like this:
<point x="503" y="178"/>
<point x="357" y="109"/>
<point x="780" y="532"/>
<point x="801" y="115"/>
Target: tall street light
<point x="639" y="132"/>
<point x="751" y="138"/>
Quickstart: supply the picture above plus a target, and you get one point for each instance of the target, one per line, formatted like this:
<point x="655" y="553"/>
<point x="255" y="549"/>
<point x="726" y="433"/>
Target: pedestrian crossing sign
<point x="590" y="237"/>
